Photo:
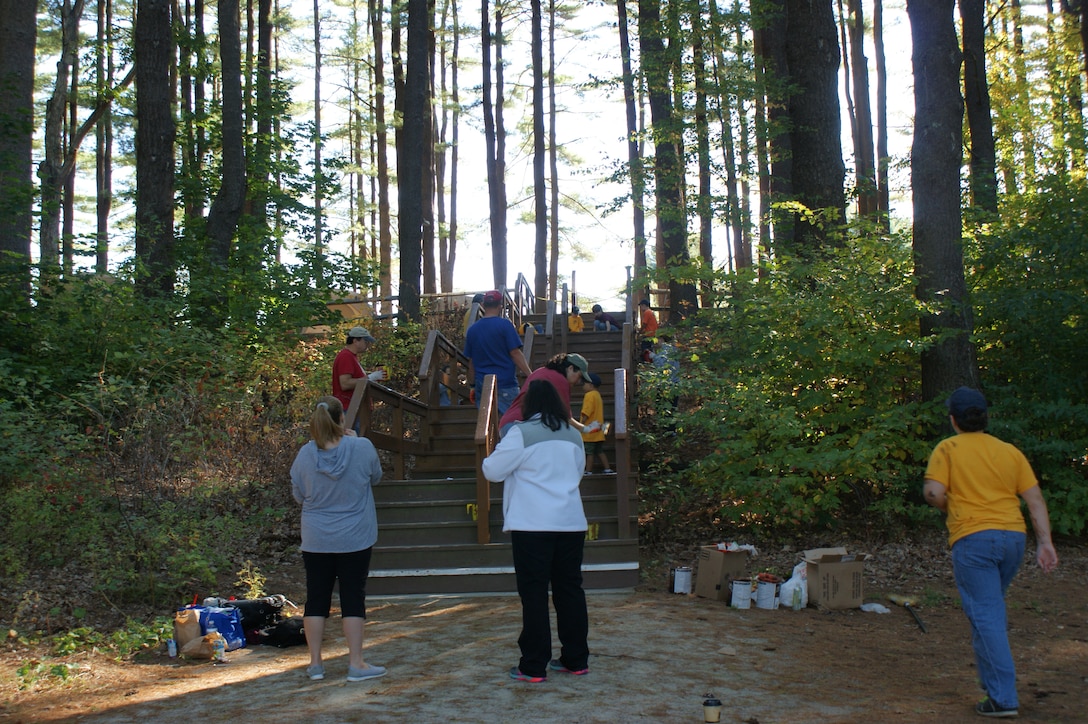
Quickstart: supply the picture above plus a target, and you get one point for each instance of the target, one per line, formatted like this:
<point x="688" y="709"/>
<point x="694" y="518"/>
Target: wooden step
<point x="488" y="568"/>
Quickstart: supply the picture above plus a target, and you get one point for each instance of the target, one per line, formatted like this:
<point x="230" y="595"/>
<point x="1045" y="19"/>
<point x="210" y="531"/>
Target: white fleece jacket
<point x="542" y="470"/>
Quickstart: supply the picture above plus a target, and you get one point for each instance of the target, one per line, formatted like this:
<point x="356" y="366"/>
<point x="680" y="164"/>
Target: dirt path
<point x="654" y="655"/>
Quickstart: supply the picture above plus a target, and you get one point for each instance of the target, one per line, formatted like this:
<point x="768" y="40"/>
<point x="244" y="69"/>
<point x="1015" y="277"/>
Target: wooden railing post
<point x="485" y="439"/>
<point x="623" y="456"/>
<point x="357" y="408"/>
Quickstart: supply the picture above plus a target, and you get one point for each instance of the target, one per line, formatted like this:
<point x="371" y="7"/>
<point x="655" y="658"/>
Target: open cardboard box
<point x="715" y="569"/>
<point x="835" y="577"/>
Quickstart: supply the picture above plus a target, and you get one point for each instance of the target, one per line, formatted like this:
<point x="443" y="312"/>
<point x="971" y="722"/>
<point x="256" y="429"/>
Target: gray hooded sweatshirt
<point x="334" y="488"/>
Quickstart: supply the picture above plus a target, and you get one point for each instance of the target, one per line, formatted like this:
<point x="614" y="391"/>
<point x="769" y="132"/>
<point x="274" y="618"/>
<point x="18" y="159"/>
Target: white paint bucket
<point x="742" y="594"/>
<point x="681" y="580"/>
<point x="766" y="594"/>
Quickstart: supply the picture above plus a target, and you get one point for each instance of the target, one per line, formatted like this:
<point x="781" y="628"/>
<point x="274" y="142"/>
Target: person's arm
<point x="347" y="382"/>
<point x="519" y="361"/>
<point x="1045" y="554"/>
<point x="936" y="494"/>
<point x="505" y="458"/>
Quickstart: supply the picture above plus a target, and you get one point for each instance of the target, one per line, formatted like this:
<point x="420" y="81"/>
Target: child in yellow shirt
<point x="574" y="321"/>
<point x="592" y="416"/>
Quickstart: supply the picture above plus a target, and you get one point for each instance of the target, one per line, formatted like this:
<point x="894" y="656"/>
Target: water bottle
<point x="219" y="644"/>
<point x="796" y="598"/>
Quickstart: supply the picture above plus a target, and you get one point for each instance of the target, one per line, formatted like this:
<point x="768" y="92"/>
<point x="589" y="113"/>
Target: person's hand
<point x="1046" y="557"/>
<point x="377" y="375"/>
<point x="592" y="427"/>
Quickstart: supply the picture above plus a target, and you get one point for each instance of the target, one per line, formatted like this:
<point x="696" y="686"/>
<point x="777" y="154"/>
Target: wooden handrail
<point x="438" y="352"/>
<point x="485" y="439"/>
<point x="397" y="439"/>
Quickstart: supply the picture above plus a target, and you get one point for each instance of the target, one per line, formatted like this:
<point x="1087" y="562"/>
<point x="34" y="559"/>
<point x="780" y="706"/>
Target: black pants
<point x="542" y="559"/>
<point x="324" y="570"/>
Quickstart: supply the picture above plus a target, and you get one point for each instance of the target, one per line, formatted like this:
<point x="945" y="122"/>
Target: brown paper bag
<point x="200" y="648"/>
<point x="186" y="626"/>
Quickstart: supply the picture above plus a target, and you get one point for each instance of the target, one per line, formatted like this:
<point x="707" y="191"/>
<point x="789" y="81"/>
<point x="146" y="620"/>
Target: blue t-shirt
<point x="488" y="344"/>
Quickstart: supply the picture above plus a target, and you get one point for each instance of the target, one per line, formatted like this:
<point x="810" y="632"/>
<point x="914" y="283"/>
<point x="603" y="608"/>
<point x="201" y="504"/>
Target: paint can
<point x="681" y="579"/>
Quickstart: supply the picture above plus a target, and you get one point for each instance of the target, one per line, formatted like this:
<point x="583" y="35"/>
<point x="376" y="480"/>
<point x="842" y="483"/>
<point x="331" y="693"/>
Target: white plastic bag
<point x="794" y="592"/>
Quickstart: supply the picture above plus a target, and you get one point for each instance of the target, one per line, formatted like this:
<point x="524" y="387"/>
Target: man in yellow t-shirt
<point x="978" y="481"/>
<point x="592" y="419"/>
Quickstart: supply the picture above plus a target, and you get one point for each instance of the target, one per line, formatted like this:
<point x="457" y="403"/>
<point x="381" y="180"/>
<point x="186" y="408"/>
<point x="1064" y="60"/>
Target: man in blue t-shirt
<point x="493" y="346"/>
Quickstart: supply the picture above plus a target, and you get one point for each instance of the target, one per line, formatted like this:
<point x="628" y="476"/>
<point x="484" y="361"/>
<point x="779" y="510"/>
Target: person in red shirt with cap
<point x="346" y="369"/>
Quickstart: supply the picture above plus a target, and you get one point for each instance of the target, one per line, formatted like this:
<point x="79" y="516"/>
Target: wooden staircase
<point x="429" y="533"/>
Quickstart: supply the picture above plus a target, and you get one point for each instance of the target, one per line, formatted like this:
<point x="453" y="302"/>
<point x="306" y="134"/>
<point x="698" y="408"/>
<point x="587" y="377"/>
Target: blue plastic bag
<point x="228" y="621"/>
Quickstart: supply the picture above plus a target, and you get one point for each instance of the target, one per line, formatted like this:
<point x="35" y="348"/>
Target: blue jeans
<point x="984" y="565"/>
<point x="506" y="396"/>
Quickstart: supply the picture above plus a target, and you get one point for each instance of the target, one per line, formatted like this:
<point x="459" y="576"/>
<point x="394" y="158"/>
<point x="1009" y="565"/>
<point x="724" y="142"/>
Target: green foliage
<point x="799" y="397"/>
<point x="121" y="643"/>
<point x="251" y="581"/>
<point x="1028" y="278"/>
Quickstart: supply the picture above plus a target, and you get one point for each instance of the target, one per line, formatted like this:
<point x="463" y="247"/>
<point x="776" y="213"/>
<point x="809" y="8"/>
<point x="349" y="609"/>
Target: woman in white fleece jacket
<point x="541" y="461"/>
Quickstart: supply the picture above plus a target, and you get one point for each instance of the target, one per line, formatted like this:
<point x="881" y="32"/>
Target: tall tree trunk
<point x="702" y="136"/>
<point x="319" y="180"/>
<point x="18" y="35"/>
<point x="410" y="158"/>
<point x="553" y="160"/>
<point x="67" y="236"/>
<point x="49" y="170"/>
<point x="935" y="181"/>
<point x="742" y="241"/>
<point x="427" y="182"/>
<point x="1025" y="124"/>
<point x="447" y="141"/>
<point x="540" y="191"/>
<point x="154" y="54"/>
<point x="381" y="150"/>
<point x="864" y="172"/>
<point x="260" y="162"/>
<point x="634" y="151"/>
<point x="976" y="92"/>
<point x="769" y="21"/>
<point x="883" y="159"/>
<point x="226" y="209"/>
<point x="762" y="134"/>
<point x="668" y="174"/>
<point x="494" y="139"/>
<point x="812" y="55"/>
<point x="104" y="137"/>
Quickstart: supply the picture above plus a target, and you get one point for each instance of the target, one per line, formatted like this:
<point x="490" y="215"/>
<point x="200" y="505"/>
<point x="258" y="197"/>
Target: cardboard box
<point x="835" y="577"/>
<point x="715" y="569"/>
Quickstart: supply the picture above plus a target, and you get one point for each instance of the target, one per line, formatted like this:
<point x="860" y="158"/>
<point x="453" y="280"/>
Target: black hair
<point x="559" y="363"/>
<point x="974" y="419"/>
<point x="597" y="308"/>
<point x="542" y="398"/>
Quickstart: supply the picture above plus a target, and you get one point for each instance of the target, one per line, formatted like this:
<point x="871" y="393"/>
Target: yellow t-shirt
<point x="575" y="323"/>
<point x="983" y="477"/>
<point x="592" y="411"/>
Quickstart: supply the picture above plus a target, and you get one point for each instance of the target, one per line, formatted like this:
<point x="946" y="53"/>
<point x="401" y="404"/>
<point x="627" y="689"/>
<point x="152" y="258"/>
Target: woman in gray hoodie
<point x="331" y="478"/>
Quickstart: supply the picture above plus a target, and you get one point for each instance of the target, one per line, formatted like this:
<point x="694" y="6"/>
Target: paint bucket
<point x="681" y="579"/>
<point x="742" y="594"/>
<point x="767" y="594"/>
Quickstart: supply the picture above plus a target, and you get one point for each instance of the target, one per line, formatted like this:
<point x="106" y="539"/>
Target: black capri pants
<point x="324" y="570"/>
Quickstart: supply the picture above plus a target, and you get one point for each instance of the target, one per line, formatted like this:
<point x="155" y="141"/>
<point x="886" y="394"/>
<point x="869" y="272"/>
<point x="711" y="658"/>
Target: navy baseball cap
<point x="964" y="399"/>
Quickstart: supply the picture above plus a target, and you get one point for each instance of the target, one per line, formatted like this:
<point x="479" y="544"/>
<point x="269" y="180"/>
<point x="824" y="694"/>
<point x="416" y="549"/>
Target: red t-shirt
<point x="558" y="380"/>
<point x="346" y="363"/>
